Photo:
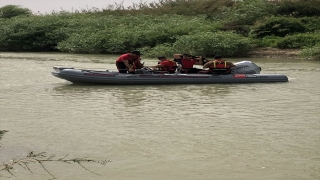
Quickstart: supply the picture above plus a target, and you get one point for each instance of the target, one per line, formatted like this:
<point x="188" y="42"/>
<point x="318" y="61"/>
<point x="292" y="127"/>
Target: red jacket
<point x="127" y="57"/>
<point x="168" y="65"/>
<point x="188" y="63"/>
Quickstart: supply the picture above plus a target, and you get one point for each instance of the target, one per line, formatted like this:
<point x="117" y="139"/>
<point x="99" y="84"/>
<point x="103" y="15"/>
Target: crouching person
<point x="125" y="62"/>
<point x="165" y="65"/>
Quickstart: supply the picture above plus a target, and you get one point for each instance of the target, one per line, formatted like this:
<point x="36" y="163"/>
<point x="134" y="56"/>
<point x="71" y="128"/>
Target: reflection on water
<point x="76" y="88"/>
<point x="135" y="95"/>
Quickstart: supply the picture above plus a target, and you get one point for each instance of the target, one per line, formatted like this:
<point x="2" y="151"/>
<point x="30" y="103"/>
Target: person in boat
<point x="125" y="63"/>
<point x="165" y="65"/>
<point x="137" y="64"/>
<point x="219" y="66"/>
<point x="188" y="61"/>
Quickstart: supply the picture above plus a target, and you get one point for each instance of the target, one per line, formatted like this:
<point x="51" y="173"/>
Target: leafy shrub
<point x="311" y="52"/>
<point x="245" y="13"/>
<point x="212" y="43"/>
<point x="172" y="7"/>
<point x="299" y="40"/>
<point x="10" y="11"/>
<point x="207" y="44"/>
<point x="122" y="33"/>
<point x="299" y="8"/>
<point x="269" y="41"/>
<point x="92" y="43"/>
<point x="159" y="50"/>
<point x="311" y="23"/>
<point x="277" y="26"/>
<point x="35" y="33"/>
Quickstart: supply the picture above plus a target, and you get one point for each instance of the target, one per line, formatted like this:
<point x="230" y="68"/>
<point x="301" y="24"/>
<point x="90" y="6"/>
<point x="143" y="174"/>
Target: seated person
<point x="125" y="62"/>
<point x="219" y="66"/>
<point x="187" y="61"/>
<point x="165" y="65"/>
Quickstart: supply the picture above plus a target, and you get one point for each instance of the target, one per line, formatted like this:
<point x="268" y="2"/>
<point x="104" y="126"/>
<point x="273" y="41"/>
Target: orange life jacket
<point x="219" y="64"/>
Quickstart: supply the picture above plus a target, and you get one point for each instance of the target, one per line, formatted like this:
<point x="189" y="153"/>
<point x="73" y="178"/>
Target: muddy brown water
<point x="185" y="132"/>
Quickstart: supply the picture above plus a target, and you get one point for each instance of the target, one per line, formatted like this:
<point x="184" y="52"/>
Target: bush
<point x="35" y="33"/>
<point x="311" y="52"/>
<point x="165" y="49"/>
<point x="123" y="33"/>
<point x="172" y="7"/>
<point x="298" y="41"/>
<point x="269" y="41"/>
<point x="277" y="26"/>
<point x="243" y="14"/>
<point x="311" y="23"/>
<point x="207" y="44"/>
<point x="92" y="43"/>
<point x="299" y="8"/>
<point x="10" y="11"/>
<point x="88" y="33"/>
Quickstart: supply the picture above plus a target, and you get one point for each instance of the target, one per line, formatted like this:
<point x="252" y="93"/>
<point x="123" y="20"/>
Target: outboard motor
<point x="245" y="67"/>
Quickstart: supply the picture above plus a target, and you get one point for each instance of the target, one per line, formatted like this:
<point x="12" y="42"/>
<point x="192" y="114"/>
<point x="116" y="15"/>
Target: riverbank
<point x="275" y="53"/>
<point x="256" y="53"/>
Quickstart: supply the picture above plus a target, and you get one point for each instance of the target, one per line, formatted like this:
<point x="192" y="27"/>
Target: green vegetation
<point x="202" y="27"/>
<point x="206" y="43"/>
<point x="311" y="52"/>
<point x="10" y="11"/>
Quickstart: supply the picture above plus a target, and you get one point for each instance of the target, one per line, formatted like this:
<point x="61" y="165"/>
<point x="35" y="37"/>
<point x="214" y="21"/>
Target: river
<point x="184" y="132"/>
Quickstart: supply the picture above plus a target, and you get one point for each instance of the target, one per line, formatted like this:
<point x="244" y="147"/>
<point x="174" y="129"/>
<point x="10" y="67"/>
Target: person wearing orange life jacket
<point x="166" y="65"/>
<point x="218" y="65"/>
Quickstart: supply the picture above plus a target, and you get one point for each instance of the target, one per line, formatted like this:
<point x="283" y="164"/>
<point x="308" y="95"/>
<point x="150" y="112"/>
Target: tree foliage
<point x="299" y="41"/>
<point x="10" y="11"/>
<point x="299" y="8"/>
<point x="278" y="26"/>
<point x="166" y="26"/>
